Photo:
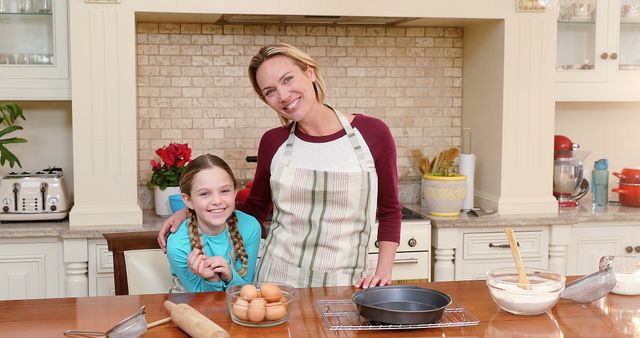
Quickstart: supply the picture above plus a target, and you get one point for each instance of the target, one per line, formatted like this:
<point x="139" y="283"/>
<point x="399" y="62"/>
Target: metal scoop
<point x="591" y="287"/>
<point x="133" y="326"/>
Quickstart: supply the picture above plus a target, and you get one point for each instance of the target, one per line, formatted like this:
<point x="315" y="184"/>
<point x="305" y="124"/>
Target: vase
<point x="163" y="208"/>
<point x="444" y="195"/>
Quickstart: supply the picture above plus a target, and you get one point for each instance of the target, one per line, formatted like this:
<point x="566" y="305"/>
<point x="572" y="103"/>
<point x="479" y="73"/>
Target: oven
<point x="413" y="257"/>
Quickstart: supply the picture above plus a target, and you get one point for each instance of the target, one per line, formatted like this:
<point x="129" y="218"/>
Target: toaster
<point x="34" y="195"/>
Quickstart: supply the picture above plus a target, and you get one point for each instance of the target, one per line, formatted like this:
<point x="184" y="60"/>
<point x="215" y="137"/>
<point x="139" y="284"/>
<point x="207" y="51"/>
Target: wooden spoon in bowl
<point x="523" y="281"/>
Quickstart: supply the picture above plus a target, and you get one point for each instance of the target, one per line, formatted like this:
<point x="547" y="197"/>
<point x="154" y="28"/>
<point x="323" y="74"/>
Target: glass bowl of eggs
<point x="260" y="304"/>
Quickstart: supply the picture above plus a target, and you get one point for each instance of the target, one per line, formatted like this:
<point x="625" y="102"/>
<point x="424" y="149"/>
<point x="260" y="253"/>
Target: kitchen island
<point x="612" y="316"/>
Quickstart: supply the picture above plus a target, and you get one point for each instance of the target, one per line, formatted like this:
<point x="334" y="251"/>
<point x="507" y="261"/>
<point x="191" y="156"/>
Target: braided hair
<point x="186" y="179"/>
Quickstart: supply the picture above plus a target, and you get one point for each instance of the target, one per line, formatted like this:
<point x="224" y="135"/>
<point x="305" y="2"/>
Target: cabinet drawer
<point x="494" y="245"/>
<point x="478" y="269"/>
<point x="406" y="265"/>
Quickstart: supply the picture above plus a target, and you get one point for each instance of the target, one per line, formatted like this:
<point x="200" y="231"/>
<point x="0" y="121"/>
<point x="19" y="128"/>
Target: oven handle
<point x="411" y="260"/>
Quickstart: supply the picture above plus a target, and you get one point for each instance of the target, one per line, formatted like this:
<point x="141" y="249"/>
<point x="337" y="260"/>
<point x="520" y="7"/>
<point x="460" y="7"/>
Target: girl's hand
<point x="220" y="266"/>
<point x="199" y="265"/>
<point x="171" y="224"/>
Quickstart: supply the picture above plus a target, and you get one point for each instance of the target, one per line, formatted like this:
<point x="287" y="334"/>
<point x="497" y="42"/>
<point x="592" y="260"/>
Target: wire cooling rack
<point x="342" y="314"/>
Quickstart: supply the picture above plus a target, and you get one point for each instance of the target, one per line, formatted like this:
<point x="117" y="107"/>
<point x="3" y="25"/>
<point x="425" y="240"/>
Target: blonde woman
<point x="328" y="175"/>
<point x="218" y="246"/>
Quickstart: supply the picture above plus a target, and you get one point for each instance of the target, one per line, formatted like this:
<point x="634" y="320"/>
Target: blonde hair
<point x="186" y="180"/>
<point x="300" y="58"/>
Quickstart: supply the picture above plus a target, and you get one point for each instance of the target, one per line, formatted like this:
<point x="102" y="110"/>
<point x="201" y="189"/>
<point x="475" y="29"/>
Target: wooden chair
<point x="139" y="265"/>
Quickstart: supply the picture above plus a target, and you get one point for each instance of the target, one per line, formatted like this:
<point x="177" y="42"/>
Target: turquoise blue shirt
<point x="179" y="247"/>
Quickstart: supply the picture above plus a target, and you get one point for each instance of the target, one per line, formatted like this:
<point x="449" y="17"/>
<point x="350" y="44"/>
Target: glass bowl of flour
<point x="541" y="294"/>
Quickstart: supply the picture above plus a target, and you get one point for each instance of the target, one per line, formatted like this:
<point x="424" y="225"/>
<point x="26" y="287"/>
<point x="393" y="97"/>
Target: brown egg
<point x="241" y="309"/>
<point x="257" y="310"/>
<point x="248" y="292"/>
<point x="271" y="292"/>
<point x="275" y="311"/>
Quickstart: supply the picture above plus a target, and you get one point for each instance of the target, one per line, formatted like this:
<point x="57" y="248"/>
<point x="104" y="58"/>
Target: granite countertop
<point x="565" y="216"/>
<point x="152" y="222"/>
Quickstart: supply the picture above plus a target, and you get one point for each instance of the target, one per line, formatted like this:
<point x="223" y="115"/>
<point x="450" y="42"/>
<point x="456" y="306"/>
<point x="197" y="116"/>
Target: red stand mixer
<point x="569" y="184"/>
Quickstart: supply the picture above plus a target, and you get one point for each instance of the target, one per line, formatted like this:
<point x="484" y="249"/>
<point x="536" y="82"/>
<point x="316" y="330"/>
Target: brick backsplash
<point x="193" y="87"/>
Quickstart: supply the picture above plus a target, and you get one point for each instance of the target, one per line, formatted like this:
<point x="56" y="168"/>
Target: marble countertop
<point x="152" y="222"/>
<point x="612" y="213"/>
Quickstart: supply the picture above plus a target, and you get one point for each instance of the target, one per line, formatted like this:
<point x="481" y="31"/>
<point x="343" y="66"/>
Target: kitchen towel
<point x="467" y="168"/>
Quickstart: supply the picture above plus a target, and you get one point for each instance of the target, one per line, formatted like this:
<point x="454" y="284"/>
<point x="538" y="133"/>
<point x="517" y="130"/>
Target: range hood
<point x="312" y="19"/>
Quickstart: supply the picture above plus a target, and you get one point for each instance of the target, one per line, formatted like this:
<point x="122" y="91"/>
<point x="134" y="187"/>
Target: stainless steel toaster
<point x="34" y="195"/>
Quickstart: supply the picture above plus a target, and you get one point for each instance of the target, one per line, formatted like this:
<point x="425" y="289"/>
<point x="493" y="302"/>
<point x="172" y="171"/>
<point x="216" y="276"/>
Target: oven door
<point x="406" y="265"/>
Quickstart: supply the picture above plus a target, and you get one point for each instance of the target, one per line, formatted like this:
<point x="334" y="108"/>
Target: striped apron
<point x="321" y="221"/>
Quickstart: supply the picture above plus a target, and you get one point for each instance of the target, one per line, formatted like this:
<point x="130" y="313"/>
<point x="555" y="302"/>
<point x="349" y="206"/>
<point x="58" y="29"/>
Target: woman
<point x="328" y="176"/>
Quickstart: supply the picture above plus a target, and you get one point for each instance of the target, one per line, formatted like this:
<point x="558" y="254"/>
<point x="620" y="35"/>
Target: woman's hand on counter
<point x="387" y="253"/>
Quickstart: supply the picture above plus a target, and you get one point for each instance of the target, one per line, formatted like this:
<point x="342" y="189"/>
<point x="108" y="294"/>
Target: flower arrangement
<point x="166" y="172"/>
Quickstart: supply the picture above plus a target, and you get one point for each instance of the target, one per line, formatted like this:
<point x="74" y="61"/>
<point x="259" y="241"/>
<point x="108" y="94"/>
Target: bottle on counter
<point x="600" y="183"/>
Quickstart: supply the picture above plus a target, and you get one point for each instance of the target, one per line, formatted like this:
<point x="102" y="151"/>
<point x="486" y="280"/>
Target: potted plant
<point x="9" y="113"/>
<point x="165" y="178"/>
<point x="443" y="187"/>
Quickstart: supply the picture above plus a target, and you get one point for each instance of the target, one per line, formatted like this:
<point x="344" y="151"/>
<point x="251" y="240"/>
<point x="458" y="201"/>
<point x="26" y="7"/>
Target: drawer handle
<point x="503" y="246"/>
<point x="405" y="261"/>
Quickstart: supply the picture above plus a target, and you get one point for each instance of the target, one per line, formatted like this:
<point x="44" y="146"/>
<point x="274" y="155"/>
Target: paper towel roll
<point x="468" y="168"/>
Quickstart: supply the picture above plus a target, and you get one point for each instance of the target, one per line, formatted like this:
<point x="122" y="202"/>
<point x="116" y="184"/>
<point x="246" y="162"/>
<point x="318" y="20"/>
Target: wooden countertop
<point x="612" y="316"/>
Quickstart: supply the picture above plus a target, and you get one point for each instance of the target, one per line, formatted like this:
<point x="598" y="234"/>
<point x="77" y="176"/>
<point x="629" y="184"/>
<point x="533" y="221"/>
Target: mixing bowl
<point x="627" y="271"/>
<point x="261" y="304"/>
<point x="535" y="298"/>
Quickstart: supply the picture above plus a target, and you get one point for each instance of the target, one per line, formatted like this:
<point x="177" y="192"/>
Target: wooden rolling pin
<point x="194" y="323"/>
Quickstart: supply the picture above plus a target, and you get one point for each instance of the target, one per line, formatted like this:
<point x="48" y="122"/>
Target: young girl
<point x="219" y="247"/>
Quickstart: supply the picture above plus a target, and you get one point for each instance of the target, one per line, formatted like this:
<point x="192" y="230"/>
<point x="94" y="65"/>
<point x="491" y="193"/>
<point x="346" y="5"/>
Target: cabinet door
<point x="624" y="37"/>
<point x="593" y="242"/>
<point x="30" y="269"/>
<point x="101" y="281"/>
<point x="582" y="34"/>
<point x="34" y="50"/>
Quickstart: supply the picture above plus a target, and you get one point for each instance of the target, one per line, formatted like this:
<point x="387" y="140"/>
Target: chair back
<point x="139" y="265"/>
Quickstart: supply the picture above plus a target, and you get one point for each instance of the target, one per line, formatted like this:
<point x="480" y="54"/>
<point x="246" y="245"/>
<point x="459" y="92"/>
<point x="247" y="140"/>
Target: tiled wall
<point x="193" y="87"/>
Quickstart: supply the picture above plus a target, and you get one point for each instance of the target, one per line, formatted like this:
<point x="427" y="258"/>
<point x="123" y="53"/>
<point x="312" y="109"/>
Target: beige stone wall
<point x="192" y="85"/>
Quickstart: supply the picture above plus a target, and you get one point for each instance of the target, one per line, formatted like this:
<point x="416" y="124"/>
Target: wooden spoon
<point x="523" y="281"/>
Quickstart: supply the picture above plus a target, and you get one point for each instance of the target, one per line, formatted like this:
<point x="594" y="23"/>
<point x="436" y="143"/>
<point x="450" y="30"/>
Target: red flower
<point x="173" y="158"/>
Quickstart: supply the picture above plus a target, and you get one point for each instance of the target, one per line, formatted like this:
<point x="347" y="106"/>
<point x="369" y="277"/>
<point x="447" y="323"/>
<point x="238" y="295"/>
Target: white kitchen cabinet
<point x="468" y="253"/>
<point x="413" y="257"/>
<point x="100" y="269"/>
<point x="598" y="53"/>
<point x="30" y="268"/>
<point x="594" y="240"/>
<point x="34" y="53"/>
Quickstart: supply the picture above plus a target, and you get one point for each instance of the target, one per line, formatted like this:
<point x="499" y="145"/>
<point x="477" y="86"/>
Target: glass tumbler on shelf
<point x="25" y="6"/>
<point x="45" y="7"/>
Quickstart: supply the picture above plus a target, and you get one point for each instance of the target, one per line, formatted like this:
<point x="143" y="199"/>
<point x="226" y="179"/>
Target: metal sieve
<point x="133" y="326"/>
<point x="591" y="287"/>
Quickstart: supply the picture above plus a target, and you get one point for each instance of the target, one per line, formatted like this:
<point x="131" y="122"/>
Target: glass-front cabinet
<point x="34" y="50"/>
<point x="598" y="50"/>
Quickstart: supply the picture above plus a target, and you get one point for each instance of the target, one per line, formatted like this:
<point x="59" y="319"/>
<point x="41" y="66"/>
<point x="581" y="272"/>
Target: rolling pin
<point x="194" y="323"/>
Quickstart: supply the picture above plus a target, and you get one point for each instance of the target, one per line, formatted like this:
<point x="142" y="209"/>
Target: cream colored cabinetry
<point x="594" y="240"/>
<point x="598" y="50"/>
<point x="468" y="253"/>
<point x="34" y="53"/>
<point x="30" y="268"/>
<point x="413" y="256"/>
<point x="100" y="269"/>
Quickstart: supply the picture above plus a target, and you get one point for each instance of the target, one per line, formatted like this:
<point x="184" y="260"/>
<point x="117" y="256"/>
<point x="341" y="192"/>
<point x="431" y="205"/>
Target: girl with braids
<point x="218" y="246"/>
